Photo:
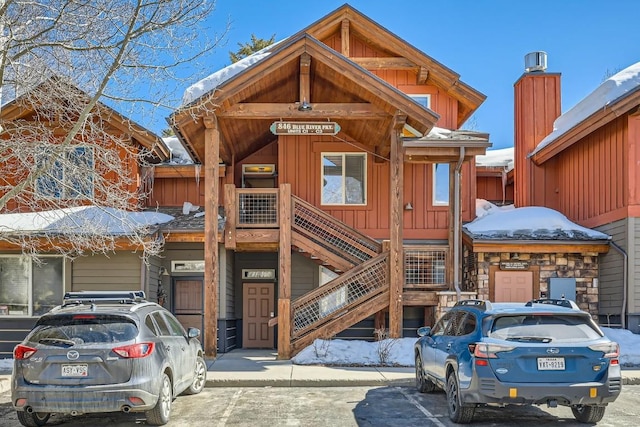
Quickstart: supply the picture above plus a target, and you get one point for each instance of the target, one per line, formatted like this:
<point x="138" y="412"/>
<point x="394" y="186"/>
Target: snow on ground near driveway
<point x="400" y="352"/>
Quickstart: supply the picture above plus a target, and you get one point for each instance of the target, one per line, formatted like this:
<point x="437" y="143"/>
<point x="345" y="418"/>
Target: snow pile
<point x="81" y="219"/>
<point x="532" y="221"/>
<point x="179" y="156"/>
<point x="618" y="86"/>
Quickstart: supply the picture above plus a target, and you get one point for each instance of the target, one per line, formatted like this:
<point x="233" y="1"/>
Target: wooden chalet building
<point x="584" y="163"/>
<point x="337" y="192"/>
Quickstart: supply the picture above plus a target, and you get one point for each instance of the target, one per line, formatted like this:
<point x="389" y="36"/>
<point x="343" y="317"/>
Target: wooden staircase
<point x="360" y="291"/>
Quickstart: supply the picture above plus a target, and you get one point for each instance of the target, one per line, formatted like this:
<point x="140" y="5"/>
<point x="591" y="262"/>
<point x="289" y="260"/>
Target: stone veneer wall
<point x="582" y="267"/>
<point x="447" y="299"/>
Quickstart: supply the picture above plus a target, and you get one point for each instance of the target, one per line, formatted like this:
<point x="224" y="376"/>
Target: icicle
<point x="198" y="167"/>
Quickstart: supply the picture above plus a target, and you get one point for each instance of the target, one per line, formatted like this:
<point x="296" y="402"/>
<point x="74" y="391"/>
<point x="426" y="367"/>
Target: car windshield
<point x="67" y="331"/>
<point x="543" y="328"/>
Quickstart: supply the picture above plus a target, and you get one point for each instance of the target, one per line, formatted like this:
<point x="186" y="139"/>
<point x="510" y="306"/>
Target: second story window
<point x="70" y="175"/>
<point x="440" y="184"/>
<point x="344" y="178"/>
<point x="424" y="100"/>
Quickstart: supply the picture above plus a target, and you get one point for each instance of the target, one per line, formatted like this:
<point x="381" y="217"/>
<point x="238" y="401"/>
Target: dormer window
<point x="69" y="174"/>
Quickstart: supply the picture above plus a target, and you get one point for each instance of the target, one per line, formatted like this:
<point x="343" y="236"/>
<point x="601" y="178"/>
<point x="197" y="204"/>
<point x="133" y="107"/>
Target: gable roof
<point x="22" y="107"/>
<point x="268" y="90"/>
<point x="435" y="73"/>
<point x="615" y="96"/>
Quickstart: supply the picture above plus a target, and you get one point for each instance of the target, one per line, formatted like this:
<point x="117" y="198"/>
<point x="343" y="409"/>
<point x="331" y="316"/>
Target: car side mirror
<point x="425" y="330"/>
<point x="193" y="332"/>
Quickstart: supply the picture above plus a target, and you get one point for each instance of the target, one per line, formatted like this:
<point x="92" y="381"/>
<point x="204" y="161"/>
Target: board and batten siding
<point x="611" y="273"/>
<point x="121" y="271"/>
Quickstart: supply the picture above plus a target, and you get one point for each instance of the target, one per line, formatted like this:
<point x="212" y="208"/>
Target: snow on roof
<point x="497" y="158"/>
<point x="214" y="80"/>
<point x="80" y="219"/>
<point x="179" y="154"/>
<point x="533" y="222"/>
<point x="443" y="133"/>
<point x="618" y="86"/>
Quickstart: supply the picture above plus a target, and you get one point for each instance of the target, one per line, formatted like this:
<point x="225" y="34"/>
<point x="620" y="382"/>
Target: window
<point x="424" y="100"/>
<point x="335" y="300"/>
<point x="70" y="175"/>
<point x="343" y="179"/>
<point x="440" y="184"/>
<point x="29" y="288"/>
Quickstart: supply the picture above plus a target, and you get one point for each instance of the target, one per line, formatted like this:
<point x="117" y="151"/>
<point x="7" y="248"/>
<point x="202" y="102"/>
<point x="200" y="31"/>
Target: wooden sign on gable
<point x="304" y="128"/>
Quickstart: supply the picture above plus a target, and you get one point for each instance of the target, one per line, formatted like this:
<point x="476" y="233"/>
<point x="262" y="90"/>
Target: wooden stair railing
<point x="331" y="234"/>
<point x="341" y="303"/>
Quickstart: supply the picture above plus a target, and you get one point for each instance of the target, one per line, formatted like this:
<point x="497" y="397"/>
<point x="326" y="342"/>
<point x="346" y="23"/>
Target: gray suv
<point x="105" y="352"/>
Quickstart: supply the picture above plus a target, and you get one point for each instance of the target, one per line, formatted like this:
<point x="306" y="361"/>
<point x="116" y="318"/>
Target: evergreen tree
<point x="249" y="48"/>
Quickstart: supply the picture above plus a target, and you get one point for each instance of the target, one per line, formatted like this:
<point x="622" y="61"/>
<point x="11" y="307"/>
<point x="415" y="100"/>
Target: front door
<point x="513" y="286"/>
<point x="188" y="303"/>
<point x="257" y="308"/>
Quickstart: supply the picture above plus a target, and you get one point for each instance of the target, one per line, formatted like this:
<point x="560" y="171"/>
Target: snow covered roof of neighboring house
<point x="527" y="223"/>
<point x="501" y="158"/>
<point x="81" y="219"/>
<point x="611" y="90"/>
<point x="179" y="155"/>
<point x="444" y="134"/>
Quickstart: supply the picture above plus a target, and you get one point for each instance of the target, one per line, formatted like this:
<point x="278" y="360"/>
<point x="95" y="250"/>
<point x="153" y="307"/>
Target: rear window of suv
<point x="543" y="328"/>
<point x="83" y="329"/>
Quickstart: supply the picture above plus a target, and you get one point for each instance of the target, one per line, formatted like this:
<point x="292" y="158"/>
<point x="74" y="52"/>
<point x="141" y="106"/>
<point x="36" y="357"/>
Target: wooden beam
<point x="396" y="255"/>
<point x="386" y="63"/>
<point x="284" y="274"/>
<point x="305" y="82"/>
<point x="230" y="205"/>
<point x="211" y="270"/>
<point x="345" y="37"/>
<point x="268" y="110"/>
<point x="423" y="75"/>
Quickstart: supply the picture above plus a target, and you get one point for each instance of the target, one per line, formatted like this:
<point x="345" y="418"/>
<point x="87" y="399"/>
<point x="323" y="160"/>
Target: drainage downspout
<point x="456" y="224"/>
<point x="625" y="284"/>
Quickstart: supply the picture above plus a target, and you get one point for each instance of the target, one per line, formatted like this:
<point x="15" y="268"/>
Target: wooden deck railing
<point x="340" y="295"/>
<point x="425" y="267"/>
<point x="257" y="208"/>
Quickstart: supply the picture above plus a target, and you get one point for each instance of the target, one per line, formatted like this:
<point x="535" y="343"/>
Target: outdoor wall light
<point x="305" y="106"/>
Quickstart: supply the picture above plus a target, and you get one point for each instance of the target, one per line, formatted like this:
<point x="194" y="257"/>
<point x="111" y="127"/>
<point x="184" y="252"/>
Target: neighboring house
<point x="29" y="287"/>
<point x="494" y="176"/>
<point x="341" y="188"/>
<point x="584" y="163"/>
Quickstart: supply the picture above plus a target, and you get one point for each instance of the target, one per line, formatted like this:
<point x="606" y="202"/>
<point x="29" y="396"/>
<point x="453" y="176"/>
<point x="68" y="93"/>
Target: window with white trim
<point x="440" y="184"/>
<point x="30" y="288"/>
<point x="70" y="176"/>
<point x="344" y="178"/>
<point x="422" y="99"/>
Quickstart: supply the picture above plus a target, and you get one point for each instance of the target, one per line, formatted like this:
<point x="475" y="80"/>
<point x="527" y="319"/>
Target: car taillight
<point x="611" y="350"/>
<point x="489" y="351"/>
<point x="22" y="352"/>
<point x="135" y="351"/>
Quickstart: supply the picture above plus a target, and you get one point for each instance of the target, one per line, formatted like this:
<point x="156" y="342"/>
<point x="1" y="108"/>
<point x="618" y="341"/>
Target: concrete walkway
<point x="260" y="368"/>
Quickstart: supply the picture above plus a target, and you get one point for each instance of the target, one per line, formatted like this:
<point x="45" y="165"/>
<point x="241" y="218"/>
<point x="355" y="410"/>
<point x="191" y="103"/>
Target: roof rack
<point x="123" y="297"/>
<point x="559" y="302"/>
<point x="477" y="303"/>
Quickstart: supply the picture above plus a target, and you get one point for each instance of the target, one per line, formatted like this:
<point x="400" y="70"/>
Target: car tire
<point x="458" y="413"/>
<point x="33" y="419"/>
<point x="588" y="413"/>
<point x="160" y="413"/>
<point x="199" y="379"/>
<point x="423" y="384"/>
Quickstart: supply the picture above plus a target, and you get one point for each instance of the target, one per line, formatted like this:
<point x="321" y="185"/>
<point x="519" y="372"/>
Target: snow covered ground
<point x="400" y="352"/>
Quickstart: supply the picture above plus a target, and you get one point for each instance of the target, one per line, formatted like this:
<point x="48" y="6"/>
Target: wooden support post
<point x="211" y="271"/>
<point x="345" y="37"/>
<point x="230" y="212"/>
<point x="284" y="273"/>
<point x="305" y="82"/>
<point x="396" y="255"/>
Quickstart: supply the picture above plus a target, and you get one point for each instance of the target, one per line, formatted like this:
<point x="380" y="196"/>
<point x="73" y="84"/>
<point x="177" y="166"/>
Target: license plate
<point x="551" y="363"/>
<point x="75" y="370"/>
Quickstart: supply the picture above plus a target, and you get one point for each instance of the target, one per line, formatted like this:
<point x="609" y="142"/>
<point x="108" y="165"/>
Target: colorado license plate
<point x="81" y="370"/>
<point x="551" y="363"/>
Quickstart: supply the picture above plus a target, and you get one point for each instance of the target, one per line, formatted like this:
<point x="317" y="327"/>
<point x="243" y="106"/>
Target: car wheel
<point x="33" y="419"/>
<point x="458" y="413"/>
<point x="160" y="413"/>
<point x="423" y="384"/>
<point x="199" y="379"/>
<point x="588" y="413"/>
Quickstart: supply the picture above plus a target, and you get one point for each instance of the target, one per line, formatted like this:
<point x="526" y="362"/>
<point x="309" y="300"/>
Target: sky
<point x="484" y="41"/>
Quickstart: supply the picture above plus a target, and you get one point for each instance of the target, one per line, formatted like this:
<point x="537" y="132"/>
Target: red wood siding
<point x="490" y="188"/>
<point x="593" y="174"/>
<point x="175" y="191"/>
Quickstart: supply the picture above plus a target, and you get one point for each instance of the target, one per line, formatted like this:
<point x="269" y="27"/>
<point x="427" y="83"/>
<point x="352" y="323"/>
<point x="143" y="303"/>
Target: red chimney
<point x="537" y="105"/>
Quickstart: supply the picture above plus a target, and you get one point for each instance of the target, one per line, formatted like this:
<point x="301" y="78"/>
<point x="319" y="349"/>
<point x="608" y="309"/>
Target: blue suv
<point x="541" y="352"/>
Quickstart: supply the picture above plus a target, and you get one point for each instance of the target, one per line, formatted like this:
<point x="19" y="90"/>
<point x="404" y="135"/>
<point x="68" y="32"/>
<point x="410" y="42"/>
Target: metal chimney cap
<point x="535" y="61"/>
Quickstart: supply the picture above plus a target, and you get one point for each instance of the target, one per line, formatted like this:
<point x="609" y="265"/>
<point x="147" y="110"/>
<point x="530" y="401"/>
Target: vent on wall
<point x="535" y="61"/>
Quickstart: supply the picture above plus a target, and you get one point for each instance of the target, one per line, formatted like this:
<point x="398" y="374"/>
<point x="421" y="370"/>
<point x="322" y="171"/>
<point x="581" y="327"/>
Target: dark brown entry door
<point x="257" y="308"/>
<point x="187" y="306"/>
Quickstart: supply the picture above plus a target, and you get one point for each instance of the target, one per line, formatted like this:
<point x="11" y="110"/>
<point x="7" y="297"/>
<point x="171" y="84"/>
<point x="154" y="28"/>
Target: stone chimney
<point x="537" y="105"/>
